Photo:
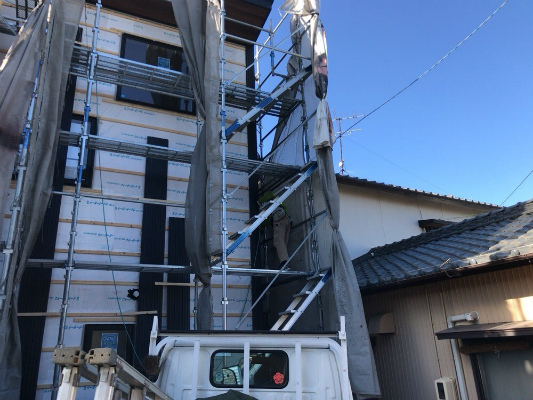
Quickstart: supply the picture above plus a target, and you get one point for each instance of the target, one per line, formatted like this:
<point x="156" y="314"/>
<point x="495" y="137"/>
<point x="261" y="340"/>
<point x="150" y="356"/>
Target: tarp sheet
<point x="319" y="133"/>
<point x="17" y="75"/>
<point x="230" y="395"/>
<point x="199" y="29"/>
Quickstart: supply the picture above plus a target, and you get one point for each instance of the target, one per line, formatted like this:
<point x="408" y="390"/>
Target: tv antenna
<point x="340" y="133"/>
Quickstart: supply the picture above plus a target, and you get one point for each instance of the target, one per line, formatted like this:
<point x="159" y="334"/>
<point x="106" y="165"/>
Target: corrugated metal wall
<point x="409" y="360"/>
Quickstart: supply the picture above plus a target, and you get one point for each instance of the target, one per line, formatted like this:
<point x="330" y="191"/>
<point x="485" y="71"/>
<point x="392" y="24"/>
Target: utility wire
<point x="397" y="165"/>
<point x="431" y="68"/>
<point x="109" y="247"/>
<point x="520" y="184"/>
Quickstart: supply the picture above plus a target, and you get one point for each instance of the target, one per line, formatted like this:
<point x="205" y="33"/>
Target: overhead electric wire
<point x="393" y="163"/>
<point x="429" y="69"/>
<point x="516" y="188"/>
<point x="130" y="340"/>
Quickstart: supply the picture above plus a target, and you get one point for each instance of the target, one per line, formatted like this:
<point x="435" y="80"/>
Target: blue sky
<point x="465" y="128"/>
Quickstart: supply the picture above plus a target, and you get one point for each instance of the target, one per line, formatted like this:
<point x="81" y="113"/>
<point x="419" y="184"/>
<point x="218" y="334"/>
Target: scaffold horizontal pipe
<point x="290" y="53"/>
<point x="124" y="199"/>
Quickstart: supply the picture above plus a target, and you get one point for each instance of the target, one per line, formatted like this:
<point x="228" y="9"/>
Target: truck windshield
<point x="269" y="369"/>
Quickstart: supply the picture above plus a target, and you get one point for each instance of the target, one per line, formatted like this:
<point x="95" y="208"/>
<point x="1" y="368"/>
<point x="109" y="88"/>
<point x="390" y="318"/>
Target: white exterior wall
<point x="372" y="218"/>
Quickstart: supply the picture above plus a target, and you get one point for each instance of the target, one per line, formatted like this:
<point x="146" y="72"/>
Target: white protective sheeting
<point x="199" y="29"/>
<point x="17" y="74"/>
<point x="319" y="133"/>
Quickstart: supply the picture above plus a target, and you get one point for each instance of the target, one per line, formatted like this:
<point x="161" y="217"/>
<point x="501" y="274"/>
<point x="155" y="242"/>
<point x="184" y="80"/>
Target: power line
<point x="431" y="68"/>
<point x="397" y="165"/>
<point x="520" y="184"/>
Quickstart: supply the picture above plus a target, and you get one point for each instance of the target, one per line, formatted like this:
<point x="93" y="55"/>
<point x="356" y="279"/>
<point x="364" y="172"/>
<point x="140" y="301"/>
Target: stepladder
<point x="113" y="377"/>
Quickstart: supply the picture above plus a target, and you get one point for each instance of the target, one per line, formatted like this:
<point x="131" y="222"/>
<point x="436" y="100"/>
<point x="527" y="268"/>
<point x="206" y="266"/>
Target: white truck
<point x="229" y="365"/>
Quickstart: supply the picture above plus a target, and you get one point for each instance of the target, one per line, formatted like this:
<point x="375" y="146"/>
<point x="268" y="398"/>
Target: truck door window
<point x="269" y="369"/>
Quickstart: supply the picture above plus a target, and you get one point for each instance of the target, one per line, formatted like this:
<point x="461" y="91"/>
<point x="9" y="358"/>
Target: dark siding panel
<point x="177" y="297"/>
<point x="259" y="316"/>
<point x="152" y="248"/>
<point x="254" y="12"/>
<point x="35" y="284"/>
<point x="34" y="290"/>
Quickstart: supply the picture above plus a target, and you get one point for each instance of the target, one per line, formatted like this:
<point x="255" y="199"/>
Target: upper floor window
<point x="162" y="55"/>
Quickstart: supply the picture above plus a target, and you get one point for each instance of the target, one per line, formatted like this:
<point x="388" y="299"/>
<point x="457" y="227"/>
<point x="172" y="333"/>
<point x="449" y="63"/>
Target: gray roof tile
<point x="486" y="238"/>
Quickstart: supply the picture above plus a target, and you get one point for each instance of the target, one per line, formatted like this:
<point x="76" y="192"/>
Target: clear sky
<point x="464" y="129"/>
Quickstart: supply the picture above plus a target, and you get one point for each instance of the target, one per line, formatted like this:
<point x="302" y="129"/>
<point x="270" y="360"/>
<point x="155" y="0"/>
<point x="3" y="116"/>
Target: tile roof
<point x="486" y="238"/>
<point x="360" y="182"/>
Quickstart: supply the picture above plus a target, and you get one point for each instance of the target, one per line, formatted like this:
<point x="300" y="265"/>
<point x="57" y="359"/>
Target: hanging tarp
<point x="17" y="74"/>
<point x="319" y="133"/>
<point x="199" y="29"/>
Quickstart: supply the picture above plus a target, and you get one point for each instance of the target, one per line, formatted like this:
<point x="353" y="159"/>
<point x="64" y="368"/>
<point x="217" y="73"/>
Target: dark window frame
<point x="252" y="386"/>
<point x="90" y="329"/>
<point x="169" y="103"/>
<point x="88" y="172"/>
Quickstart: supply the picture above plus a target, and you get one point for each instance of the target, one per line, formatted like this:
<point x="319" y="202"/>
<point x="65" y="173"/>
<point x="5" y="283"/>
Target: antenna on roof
<point x="340" y="133"/>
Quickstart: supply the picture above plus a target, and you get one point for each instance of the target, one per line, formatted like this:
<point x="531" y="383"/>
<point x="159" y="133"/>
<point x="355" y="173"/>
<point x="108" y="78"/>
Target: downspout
<point x="472" y="316"/>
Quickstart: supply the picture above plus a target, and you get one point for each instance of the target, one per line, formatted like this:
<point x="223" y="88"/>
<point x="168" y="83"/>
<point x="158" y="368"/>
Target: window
<point x="162" y="55"/>
<point x="109" y="336"/>
<point x="71" y="166"/>
<point x="269" y="369"/>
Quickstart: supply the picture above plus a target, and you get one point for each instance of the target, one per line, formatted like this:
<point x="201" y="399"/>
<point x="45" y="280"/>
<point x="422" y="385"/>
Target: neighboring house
<point x="411" y="287"/>
<point x="375" y="214"/>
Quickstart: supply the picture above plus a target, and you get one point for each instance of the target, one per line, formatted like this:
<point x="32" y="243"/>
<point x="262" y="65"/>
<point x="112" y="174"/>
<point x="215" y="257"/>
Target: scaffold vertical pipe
<point x="257" y="78"/>
<point x="195" y="309"/>
<point x="69" y="264"/>
<point x="17" y="200"/>
<point x="16" y="208"/>
<point x="223" y="141"/>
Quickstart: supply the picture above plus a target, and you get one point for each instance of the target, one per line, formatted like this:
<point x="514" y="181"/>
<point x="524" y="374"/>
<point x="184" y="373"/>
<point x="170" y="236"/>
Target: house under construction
<point x="158" y="138"/>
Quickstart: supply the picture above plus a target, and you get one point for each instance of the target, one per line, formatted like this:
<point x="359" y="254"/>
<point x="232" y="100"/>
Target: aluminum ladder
<point x="269" y="207"/>
<point x="269" y="102"/>
<point x="301" y="300"/>
<point x="108" y="371"/>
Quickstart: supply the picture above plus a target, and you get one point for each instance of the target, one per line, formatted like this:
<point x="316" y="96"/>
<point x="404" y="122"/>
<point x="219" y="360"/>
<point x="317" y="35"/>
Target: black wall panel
<point x="259" y="316"/>
<point x="152" y="248"/>
<point x="178" y="297"/>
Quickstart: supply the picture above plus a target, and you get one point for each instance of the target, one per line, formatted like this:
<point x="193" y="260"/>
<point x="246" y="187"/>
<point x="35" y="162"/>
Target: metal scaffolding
<point x="95" y="66"/>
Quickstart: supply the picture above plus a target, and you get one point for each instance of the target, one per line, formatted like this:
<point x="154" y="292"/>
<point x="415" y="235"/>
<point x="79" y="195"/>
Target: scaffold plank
<point x="145" y="150"/>
<point x="119" y="71"/>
